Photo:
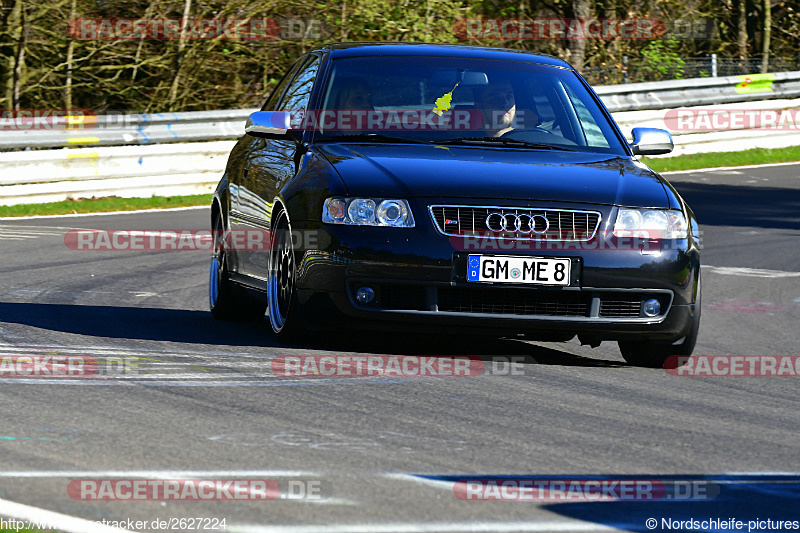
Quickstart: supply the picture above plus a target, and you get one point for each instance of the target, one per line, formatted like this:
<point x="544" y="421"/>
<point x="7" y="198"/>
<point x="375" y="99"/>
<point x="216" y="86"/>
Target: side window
<point x="295" y="100"/>
<point x="591" y="128"/>
<point x="272" y="102"/>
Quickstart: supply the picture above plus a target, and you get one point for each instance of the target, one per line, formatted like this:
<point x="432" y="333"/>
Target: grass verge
<point x="105" y="204"/>
<point x="755" y="156"/>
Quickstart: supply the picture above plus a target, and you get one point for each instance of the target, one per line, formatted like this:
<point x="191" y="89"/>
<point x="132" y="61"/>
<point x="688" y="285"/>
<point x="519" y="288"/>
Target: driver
<point x="497" y="103"/>
<point x="354" y="93"/>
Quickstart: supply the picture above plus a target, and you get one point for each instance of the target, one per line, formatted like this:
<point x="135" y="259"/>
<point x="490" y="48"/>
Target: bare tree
<point x="19" y="59"/>
<point x="173" y="91"/>
<point x="73" y="11"/>
<point x="767" y="36"/>
<point x="742" y="29"/>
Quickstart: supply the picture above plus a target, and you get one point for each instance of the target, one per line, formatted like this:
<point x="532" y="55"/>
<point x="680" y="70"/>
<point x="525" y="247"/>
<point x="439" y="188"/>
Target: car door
<point x="244" y="213"/>
<point x="269" y="164"/>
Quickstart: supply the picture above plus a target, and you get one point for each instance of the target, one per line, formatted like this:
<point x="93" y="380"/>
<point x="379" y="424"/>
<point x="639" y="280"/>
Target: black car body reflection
<point x="458" y="188"/>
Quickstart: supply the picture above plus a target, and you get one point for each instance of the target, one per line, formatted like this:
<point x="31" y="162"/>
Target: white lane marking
<point x="110" y="213"/>
<point x="230" y="383"/>
<point x="46" y="292"/>
<point x="438" y="527"/>
<point x="750" y="272"/>
<point x="35" y="227"/>
<point x="120" y="366"/>
<point x="63" y="522"/>
<point x="744" y="167"/>
<point x="132" y="351"/>
<point x="439" y="483"/>
<point x="159" y="355"/>
<point x="23" y="232"/>
<point x="716" y="478"/>
<point x="156" y="474"/>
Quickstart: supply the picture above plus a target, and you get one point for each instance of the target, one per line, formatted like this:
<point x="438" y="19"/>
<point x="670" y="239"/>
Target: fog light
<point x="652" y="307"/>
<point x="365" y="295"/>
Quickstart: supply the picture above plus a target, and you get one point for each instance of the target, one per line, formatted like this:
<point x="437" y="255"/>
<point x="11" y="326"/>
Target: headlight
<point x="368" y="212"/>
<point x="650" y="223"/>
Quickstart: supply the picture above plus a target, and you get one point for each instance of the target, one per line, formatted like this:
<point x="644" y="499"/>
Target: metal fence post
<point x="713" y="65"/>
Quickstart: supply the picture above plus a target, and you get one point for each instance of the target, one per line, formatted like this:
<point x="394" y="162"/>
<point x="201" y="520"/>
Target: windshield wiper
<point x="505" y="141"/>
<point x="370" y="137"/>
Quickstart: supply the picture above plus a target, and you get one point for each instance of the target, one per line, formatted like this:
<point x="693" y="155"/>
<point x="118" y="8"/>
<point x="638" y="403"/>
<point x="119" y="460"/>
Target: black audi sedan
<point x="453" y="188"/>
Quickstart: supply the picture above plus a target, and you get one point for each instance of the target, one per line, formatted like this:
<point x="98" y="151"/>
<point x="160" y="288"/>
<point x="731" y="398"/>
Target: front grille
<point x="514" y="301"/>
<point x="621" y="305"/>
<point x="563" y="224"/>
<point x="401" y="296"/>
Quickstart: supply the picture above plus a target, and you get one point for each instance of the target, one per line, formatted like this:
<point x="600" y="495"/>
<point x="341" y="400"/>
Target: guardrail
<point x="194" y="126"/>
<point x="157" y="170"/>
<point x="778" y="129"/>
<point x="699" y="91"/>
<point x="123" y="129"/>
<point x="185" y="153"/>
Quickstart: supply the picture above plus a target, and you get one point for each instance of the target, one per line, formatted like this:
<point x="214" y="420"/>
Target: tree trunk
<point x="173" y="91"/>
<point x="19" y="60"/>
<point x="577" y="47"/>
<point x="70" y="54"/>
<point x="767" y="35"/>
<point x="742" y="29"/>
<point x="148" y="14"/>
<point x="12" y="25"/>
<point x="343" y="22"/>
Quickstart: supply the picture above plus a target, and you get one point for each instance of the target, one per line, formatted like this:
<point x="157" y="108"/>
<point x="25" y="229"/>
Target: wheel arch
<point x="278" y="204"/>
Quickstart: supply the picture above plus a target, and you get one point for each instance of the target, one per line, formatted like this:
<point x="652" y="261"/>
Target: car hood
<point x="410" y="170"/>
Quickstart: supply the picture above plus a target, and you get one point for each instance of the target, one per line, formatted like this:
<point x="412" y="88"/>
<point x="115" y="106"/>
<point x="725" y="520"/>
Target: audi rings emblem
<point x="510" y="222"/>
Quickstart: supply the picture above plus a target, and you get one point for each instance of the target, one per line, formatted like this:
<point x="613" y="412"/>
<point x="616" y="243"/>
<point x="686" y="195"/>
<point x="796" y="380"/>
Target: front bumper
<point x="419" y="278"/>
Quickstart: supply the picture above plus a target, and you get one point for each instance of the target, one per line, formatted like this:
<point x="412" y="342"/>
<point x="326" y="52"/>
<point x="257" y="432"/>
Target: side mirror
<point x="270" y="124"/>
<point x="651" y="141"/>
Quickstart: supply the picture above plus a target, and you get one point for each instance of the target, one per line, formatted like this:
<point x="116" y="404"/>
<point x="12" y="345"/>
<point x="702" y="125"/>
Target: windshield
<point x="440" y="99"/>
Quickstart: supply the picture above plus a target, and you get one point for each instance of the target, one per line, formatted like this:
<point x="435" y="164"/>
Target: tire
<point x="282" y="306"/>
<point x="657" y="355"/>
<point x="227" y="300"/>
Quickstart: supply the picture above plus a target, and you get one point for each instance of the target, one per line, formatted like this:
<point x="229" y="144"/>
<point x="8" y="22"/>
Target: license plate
<point x="511" y="269"/>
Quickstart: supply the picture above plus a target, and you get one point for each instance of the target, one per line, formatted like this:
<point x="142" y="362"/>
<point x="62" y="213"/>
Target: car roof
<point x="363" y="49"/>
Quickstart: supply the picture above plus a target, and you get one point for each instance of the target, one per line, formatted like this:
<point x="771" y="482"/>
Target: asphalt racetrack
<point x="180" y="396"/>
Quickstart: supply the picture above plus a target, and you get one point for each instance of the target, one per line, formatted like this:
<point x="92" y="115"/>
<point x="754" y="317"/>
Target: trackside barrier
<point x="118" y="129"/>
<point x="699" y="91"/>
<point x="127" y="171"/>
<point x="185" y="153"/>
<point x="721" y="128"/>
